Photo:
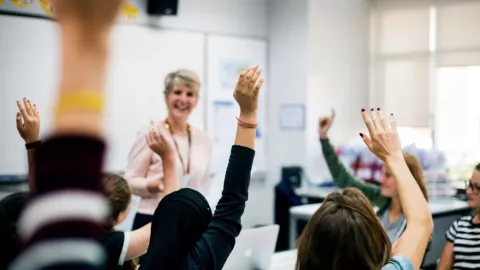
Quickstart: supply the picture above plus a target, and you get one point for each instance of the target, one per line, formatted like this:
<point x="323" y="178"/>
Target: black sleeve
<point x="116" y="245"/>
<point x="216" y="244"/>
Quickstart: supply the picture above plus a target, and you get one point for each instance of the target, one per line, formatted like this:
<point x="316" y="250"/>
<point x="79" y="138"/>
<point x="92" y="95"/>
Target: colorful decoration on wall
<point x="47" y="6"/>
<point x="22" y="3"/>
<point x="129" y="11"/>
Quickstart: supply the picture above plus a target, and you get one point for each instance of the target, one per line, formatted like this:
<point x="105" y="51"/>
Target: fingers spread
<point x="393" y="123"/>
<point x="368" y="122"/>
<point x="28" y="107"/>
<point x="19" y="121"/>
<point x="259" y="85"/>
<point x="253" y="80"/>
<point x="36" y="111"/>
<point x="22" y="110"/>
<point x="366" y="140"/>
<point x="381" y="120"/>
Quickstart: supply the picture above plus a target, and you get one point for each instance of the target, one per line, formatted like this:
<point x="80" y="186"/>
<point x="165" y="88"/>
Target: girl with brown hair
<point x="345" y="232"/>
<point x="124" y="248"/>
<point x="386" y="196"/>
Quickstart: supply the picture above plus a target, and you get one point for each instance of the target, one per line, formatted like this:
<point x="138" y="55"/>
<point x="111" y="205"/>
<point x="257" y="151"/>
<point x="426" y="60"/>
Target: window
<point x="426" y="69"/>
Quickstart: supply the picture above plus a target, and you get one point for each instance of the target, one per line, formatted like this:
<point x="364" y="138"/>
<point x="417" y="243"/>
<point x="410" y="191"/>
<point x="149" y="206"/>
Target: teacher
<point x="192" y="146"/>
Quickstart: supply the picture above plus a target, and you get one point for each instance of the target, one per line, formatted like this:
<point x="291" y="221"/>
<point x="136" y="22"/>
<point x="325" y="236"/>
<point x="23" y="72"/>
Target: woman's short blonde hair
<point x="185" y="77"/>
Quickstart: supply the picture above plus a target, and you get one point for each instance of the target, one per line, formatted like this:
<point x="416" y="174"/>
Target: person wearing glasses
<point x="462" y="249"/>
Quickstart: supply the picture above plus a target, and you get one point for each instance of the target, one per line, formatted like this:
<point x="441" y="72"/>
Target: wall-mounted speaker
<point x="162" y="7"/>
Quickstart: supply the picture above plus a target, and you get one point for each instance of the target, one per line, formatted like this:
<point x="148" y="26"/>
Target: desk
<point x="444" y="212"/>
<point x="315" y="192"/>
<point x="284" y="260"/>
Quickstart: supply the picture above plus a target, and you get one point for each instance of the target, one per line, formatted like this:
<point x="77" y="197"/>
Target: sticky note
<point x="129" y="11"/>
<point x="46" y="6"/>
<point x="22" y="3"/>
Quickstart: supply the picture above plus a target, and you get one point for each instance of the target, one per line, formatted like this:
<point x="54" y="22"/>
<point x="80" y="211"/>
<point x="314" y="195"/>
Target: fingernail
<point x="361" y="135"/>
<point x="371" y="109"/>
<point x="378" y="109"/>
<point x="363" y="109"/>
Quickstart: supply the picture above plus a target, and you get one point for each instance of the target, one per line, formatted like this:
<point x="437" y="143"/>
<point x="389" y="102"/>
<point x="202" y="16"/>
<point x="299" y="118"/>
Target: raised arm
<point x="384" y="143"/>
<point x="341" y="176"/>
<point x="216" y="244"/>
<point x="28" y="126"/>
<point x="160" y="144"/>
<point x="69" y="164"/>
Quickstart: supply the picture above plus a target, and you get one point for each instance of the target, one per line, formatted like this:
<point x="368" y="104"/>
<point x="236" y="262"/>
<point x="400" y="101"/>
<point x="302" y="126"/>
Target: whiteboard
<point x="225" y="56"/>
<point x="139" y="60"/>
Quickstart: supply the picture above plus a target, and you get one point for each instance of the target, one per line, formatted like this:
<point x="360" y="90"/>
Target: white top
<point x="437" y="206"/>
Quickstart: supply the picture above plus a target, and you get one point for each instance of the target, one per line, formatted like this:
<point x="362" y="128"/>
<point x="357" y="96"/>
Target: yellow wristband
<point x="89" y="101"/>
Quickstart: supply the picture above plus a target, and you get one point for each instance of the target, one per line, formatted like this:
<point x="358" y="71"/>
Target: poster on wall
<point x="230" y="70"/>
<point x="227" y="57"/>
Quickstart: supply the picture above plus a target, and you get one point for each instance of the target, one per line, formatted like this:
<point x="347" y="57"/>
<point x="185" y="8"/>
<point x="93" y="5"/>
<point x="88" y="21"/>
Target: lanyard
<point x="187" y="170"/>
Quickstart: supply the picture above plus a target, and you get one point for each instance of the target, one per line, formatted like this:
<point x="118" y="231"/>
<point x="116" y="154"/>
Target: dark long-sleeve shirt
<point x="216" y="244"/>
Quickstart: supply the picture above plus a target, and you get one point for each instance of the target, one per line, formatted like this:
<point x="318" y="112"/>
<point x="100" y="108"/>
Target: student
<point x="192" y="148"/>
<point x="386" y="196"/>
<point x="28" y="127"/>
<point x="124" y="248"/>
<point x="344" y="233"/>
<point x="62" y="224"/>
<point x="462" y="249"/>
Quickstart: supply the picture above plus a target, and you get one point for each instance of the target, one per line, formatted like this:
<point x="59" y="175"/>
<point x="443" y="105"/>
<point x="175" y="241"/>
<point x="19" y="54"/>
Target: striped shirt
<point x="61" y="225"/>
<point x="465" y="236"/>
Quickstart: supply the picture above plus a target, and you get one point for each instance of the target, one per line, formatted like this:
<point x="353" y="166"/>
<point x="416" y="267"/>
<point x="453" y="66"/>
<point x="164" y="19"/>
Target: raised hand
<point x="247" y="89"/>
<point x="93" y="16"/>
<point x="383" y="141"/>
<point x="158" y="142"/>
<point x="324" y="125"/>
<point x="28" y="121"/>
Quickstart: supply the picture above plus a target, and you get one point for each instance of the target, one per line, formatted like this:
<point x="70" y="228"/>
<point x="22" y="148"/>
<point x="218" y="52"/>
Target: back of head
<point x="119" y="196"/>
<point x="416" y="169"/>
<point x="178" y="223"/>
<point x="344" y="233"/>
<point x="10" y="209"/>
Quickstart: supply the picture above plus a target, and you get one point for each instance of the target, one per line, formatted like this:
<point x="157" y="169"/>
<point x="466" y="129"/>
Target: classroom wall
<point x="339" y="79"/>
<point x="232" y="17"/>
<point x="288" y="65"/>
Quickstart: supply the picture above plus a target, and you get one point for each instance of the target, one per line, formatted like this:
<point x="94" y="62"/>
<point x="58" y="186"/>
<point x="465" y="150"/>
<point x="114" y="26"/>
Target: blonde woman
<point x="192" y="148"/>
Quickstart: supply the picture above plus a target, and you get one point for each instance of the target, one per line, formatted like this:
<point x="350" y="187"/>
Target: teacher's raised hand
<point x="383" y="141"/>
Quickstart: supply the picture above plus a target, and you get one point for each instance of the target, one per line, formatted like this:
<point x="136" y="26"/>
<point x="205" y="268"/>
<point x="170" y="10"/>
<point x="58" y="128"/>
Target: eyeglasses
<point x="475" y="188"/>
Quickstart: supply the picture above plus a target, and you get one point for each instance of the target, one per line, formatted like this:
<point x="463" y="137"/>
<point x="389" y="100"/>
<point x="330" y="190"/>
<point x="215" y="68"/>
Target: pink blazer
<point x="144" y="166"/>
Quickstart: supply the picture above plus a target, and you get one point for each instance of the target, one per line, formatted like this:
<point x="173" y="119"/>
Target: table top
<point x="284" y="260"/>
<point x="437" y="206"/>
